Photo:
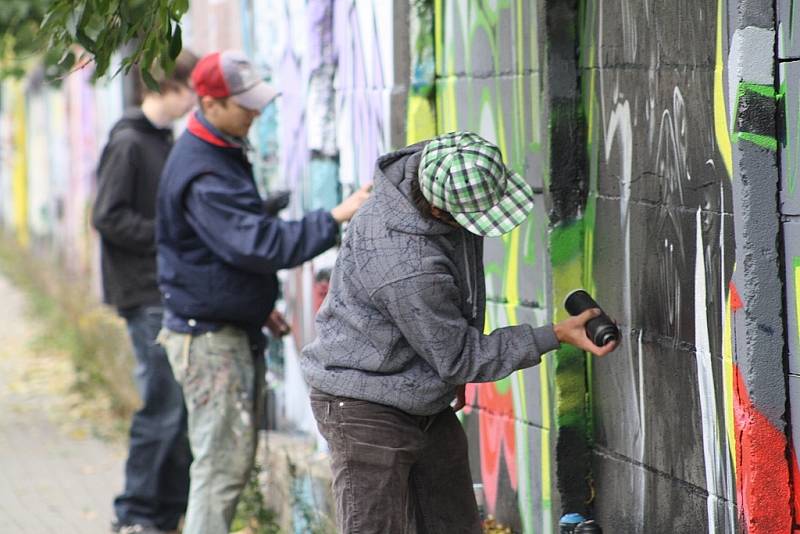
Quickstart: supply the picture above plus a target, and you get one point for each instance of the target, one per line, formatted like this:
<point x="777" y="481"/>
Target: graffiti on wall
<point x="674" y="125"/>
<point x="488" y="79"/>
<point x="637" y="154"/>
<point x="661" y="265"/>
<point x="335" y="63"/>
<point x="369" y="51"/>
<point x="48" y="199"/>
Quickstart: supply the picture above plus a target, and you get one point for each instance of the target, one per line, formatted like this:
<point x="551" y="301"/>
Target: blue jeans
<point x="157" y="469"/>
<point x="223" y="383"/>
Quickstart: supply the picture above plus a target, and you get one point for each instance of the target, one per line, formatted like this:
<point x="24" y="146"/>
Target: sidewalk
<point x="54" y="477"/>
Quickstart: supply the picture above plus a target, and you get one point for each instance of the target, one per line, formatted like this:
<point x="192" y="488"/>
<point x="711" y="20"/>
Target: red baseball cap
<point x="231" y="74"/>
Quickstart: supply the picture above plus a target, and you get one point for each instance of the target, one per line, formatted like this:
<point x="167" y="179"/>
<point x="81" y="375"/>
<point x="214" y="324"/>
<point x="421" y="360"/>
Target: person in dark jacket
<point x="157" y="469"/>
<point x="218" y="255"/>
<point x="401" y="332"/>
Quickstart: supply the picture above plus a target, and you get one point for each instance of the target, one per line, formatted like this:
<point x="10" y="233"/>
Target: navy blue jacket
<point x="218" y="250"/>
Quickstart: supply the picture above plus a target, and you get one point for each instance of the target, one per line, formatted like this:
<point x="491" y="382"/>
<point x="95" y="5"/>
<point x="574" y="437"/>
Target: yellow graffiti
<point x="797" y="294"/>
<point x="544" y="395"/>
<point x="19" y="169"/>
<point x="727" y="369"/>
<point x="726" y="151"/>
<point x="720" y="110"/>
<point x="421" y="123"/>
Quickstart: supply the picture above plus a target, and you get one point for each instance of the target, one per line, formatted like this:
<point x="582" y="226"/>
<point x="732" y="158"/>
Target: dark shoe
<point x="569" y="522"/>
<point x="141" y="529"/>
<point x="588" y="527"/>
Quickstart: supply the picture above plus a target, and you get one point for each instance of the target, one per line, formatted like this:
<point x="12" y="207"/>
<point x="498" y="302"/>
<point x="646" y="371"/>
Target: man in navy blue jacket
<point x="218" y="254"/>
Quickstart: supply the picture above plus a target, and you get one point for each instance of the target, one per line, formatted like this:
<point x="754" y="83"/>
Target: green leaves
<point x="175" y="43"/>
<point x="69" y="34"/>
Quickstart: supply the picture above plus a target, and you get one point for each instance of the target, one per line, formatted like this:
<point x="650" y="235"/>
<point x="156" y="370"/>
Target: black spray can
<point x="601" y="329"/>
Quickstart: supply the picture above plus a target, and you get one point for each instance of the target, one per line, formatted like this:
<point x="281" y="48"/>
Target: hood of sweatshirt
<point x="393" y="178"/>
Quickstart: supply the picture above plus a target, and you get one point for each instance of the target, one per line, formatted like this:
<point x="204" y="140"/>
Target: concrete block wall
<point x="691" y="417"/>
<point x="662" y="141"/>
<point x="489" y="79"/>
<point x="663" y="256"/>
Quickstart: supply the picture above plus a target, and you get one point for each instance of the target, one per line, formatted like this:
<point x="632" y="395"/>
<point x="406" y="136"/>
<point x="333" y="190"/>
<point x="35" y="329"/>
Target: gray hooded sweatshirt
<point x="402" y="324"/>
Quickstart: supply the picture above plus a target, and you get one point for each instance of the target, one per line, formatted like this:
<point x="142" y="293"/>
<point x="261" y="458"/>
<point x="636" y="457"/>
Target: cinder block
<point x="482" y="39"/>
<point x="647" y="405"/>
<point x="679" y="32"/>
<point x="505" y="110"/>
<point x="790" y="150"/>
<point x="529" y="247"/>
<point x="791" y="236"/>
<point x="658" y="143"/>
<point x="650" y="274"/>
<point x="788" y="14"/>
<point x="794" y="399"/>
<point x="653" y="502"/>
<point x="498" y="446"/>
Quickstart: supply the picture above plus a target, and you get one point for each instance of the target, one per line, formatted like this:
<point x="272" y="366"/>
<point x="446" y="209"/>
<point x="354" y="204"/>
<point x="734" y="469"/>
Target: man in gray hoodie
<point x="401" y="333"/>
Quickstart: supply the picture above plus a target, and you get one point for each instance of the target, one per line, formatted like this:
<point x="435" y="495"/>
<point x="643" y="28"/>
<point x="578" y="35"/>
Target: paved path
<point x="54" y="476"/>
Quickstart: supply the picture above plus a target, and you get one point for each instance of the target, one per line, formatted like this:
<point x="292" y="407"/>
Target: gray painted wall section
<point x="758" y="332"/>
<point x="788" y="36"/>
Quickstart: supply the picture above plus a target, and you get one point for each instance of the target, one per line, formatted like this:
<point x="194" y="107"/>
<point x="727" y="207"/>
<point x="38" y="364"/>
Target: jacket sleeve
<point x="232" y="222"/>
<point x="113" y="214"/>
<point x="425" y="309"/>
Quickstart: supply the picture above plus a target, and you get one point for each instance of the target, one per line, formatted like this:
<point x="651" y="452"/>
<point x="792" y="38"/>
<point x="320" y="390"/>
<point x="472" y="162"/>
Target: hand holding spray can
<point x="601" y="329"/>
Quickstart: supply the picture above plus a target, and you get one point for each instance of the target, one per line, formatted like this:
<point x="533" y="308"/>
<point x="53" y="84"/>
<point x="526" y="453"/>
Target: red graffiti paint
<point x="795" y="486"/>
<point x="762" y="481"/>
<point x="496" y="424"/>
<point x="736" y="301"/>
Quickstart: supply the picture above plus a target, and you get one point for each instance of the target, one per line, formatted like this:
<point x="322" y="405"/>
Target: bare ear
<point x="206" y="102"/>
<point x="444" y="216"/>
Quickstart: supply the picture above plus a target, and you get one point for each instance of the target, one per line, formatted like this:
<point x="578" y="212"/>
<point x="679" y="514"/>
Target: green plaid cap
<point x="463" y="174"/>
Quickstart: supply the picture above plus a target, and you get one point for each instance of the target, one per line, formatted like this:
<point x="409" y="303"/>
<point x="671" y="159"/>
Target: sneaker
<point x="140" y="529"/>
<point x="588" y="527"/>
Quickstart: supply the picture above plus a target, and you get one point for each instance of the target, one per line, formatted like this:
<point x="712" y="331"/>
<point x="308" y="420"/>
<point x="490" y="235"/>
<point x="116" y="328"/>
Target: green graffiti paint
<point x="790" y="138"/>
<point x="755" y="113"/>
<point x="764" y="141"/>
<point x="566" y="244"/>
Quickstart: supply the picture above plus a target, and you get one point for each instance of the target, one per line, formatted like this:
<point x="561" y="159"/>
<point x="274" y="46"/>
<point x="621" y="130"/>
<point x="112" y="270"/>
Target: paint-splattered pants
<point x="222" y="384"/>
<point x="396" y="472"/>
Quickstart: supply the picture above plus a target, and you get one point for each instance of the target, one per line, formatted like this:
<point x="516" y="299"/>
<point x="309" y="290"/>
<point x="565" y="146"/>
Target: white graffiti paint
<point x="364" y="85"/>
<point x="619" y="131"/>
<point x="671" y="169"/>
<point x="705" y="383"/>
<point x="620" y="125"/>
